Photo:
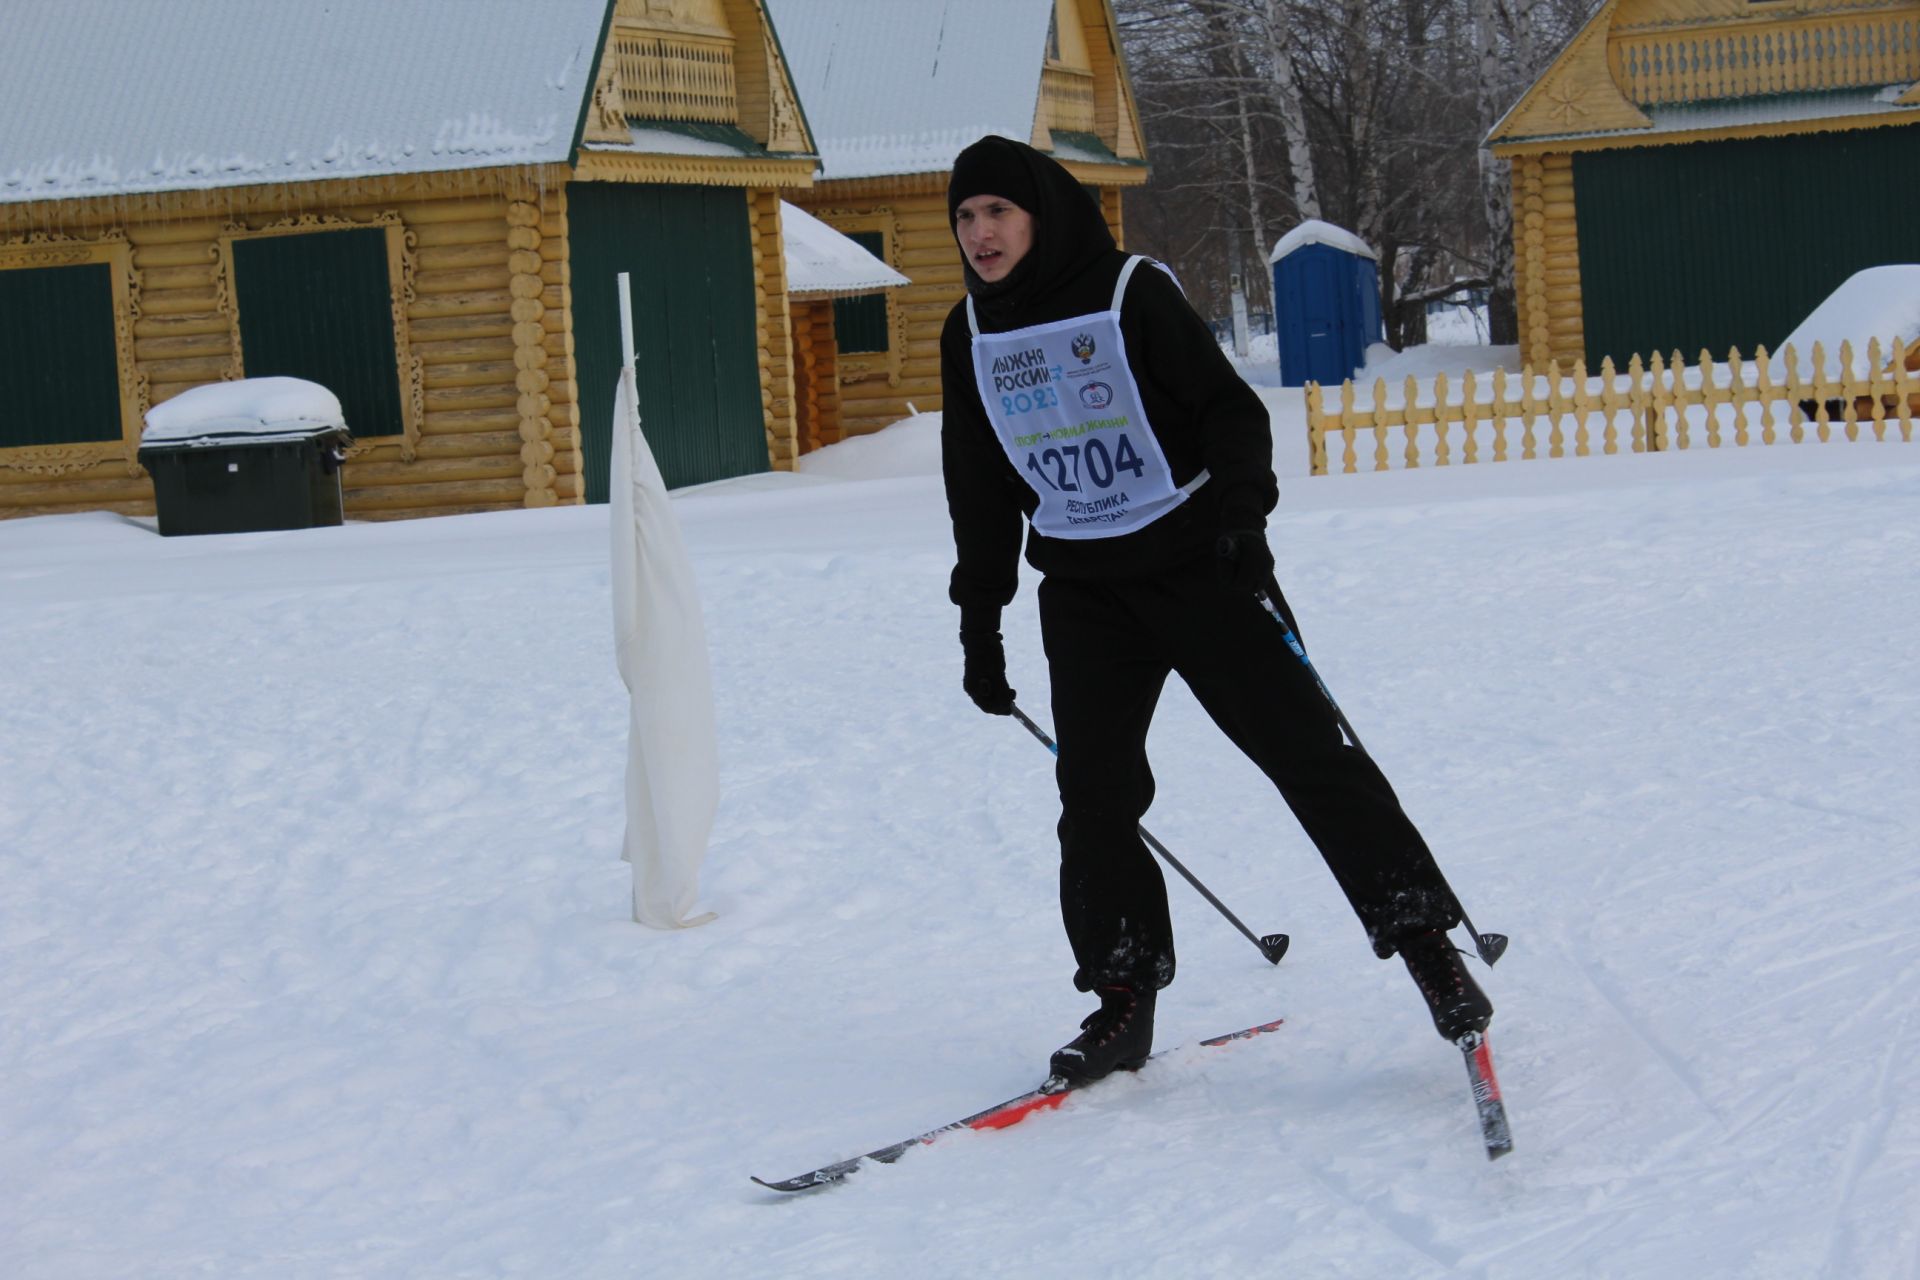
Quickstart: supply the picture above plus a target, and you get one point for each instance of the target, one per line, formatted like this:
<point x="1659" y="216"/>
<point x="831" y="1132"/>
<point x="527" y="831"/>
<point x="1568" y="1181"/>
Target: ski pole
<point x="1491" y="946"/>
<point x="1272" y="946"/>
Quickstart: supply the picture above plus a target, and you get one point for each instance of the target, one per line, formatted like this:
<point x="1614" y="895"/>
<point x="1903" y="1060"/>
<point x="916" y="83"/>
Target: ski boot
<point x="1456" y="1001"/>
<point x="1117" y="1036"/>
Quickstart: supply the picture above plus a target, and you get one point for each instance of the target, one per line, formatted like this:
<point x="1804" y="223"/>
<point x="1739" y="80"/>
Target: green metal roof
<point x="1086" y="148"/>
<point x="724" y="135"/>
<point x="1811" y="108"/>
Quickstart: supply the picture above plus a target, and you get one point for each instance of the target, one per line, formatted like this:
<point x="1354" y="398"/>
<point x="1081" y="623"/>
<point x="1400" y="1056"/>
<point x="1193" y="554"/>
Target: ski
<point x="1486" y="1094"/>
<point x="1011" y="1112"/>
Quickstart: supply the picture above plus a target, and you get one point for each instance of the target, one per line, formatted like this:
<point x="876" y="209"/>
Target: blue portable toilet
<point x="1326" y="302"/>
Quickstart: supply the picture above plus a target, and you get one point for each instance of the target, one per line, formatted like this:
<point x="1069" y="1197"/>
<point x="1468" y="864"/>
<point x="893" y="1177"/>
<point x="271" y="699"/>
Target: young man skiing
<point x="1086" y="401"/>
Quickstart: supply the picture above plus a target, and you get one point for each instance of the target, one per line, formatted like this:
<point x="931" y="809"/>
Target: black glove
<point x="985" y="676"/>
<point x="1245" y="561"/>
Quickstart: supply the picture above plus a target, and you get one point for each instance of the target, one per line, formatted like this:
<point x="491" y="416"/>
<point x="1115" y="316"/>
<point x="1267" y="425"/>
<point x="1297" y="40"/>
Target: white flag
<point x="673" y="767"/>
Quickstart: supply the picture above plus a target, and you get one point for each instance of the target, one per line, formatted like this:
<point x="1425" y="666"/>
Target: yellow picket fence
<point x="1661" y="405"/>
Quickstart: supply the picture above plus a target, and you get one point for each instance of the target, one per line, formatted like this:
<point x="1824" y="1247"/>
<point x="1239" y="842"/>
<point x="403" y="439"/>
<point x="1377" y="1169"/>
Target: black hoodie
<point x="1201" y="412"/>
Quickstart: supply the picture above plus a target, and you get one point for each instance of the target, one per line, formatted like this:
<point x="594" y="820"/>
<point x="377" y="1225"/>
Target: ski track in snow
<point x="315" y="958"/>
<point x="1869" y="1132"/>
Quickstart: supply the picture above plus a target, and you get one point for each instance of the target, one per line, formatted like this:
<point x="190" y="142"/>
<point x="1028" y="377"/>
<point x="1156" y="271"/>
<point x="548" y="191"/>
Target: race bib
<point x="1065" y="407"/>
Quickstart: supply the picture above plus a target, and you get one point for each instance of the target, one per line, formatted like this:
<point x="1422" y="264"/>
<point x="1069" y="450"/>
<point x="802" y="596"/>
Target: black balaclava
<point x="1069" y="233"/>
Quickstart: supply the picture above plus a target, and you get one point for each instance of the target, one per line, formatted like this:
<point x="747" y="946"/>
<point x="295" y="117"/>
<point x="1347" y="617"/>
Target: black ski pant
<point x="1110" y="647"/>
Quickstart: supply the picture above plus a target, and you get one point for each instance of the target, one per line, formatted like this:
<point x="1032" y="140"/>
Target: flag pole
<point x="625" y="289"/>
<point x="673" y="774"/>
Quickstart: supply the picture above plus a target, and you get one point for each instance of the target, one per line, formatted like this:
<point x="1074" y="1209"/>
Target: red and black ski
<point x="1010" y="1112"/>
<point x="1486" y="1094"/>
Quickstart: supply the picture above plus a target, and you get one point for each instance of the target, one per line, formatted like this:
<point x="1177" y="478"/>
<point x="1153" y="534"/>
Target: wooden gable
<point x="711" y="62"/>
<point x="1634" y="57"/>
<point x="1577" y="94"/>
<point x="1084" y="87"/>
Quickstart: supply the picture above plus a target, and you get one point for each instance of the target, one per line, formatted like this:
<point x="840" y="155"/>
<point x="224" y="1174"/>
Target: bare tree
<point x="1507" y="36"/>
<point x="1288" y="108"/>
<point x="1368" y="113"/>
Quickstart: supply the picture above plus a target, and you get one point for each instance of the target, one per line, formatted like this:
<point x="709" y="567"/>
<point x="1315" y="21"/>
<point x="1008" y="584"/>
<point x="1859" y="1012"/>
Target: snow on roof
<point x="894" y="88"/>
<point x="1314" y="231"/>
<point x="821" y="262"/>
<point x="1879" y="302"/>
<point x="663" y="141"/>
<point x="105" y="97"/>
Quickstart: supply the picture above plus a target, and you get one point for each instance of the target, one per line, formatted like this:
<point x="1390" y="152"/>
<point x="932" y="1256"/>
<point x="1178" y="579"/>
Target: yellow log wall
<point x="816" y="376"/>
<point x="773" y="328"/>
<point x="488" y="320"/>
<point x="1546" y="264"/>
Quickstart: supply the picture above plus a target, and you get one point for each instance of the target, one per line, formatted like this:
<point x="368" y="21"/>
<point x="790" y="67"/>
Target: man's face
<point x="994" y="234"/>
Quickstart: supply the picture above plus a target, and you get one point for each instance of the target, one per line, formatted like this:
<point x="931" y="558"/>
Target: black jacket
<point x="1202" y="413"/>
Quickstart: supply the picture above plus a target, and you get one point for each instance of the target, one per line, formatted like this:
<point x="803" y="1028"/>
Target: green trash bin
<point x="238" y="457"/>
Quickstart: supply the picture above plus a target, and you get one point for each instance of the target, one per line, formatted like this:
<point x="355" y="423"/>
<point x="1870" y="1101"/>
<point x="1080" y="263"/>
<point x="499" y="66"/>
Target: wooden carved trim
<point x="1066" y="99"/>
<point x="64" y="459"/>
<point x="711" y="171"/>
<point x="224" y="303"/>
<point x="866" y="366"/>
<point x="675" y="17"/>
<point x="666" y="75"/>
<point x="1808" y="52"/>
<point x="607" y="118"/>
<point x="786" y="127"/>
<point x="402" y="258"/>
<point x="111" y="246"/>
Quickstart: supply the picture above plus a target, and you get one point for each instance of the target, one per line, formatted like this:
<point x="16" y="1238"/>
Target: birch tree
<point x="1495" y="191"/>
<point x="1276" y="27"/>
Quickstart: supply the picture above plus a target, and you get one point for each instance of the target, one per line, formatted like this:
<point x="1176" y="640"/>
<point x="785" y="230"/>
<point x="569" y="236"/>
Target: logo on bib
<point x="1096" y="395"/>
<point x="1082" y="346"/>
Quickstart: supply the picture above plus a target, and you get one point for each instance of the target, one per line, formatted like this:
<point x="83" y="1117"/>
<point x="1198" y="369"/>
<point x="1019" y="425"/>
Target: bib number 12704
<point x="1071" y="468"/>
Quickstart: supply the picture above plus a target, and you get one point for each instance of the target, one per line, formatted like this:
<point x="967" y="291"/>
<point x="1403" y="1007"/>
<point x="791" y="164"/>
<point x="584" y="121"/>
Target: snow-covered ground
<point x="315" y="958"/>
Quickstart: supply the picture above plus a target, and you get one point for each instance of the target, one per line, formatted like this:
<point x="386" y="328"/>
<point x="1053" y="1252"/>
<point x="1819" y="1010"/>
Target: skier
<point x="1085" y="398"/>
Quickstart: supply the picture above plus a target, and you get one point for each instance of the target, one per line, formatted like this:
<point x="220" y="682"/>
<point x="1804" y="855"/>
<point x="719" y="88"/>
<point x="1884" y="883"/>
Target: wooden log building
<point x="894" y="90"/>
<point x="420" y="204"/>
<point x="823" y="267"/>
<point x="1693" y="174"/>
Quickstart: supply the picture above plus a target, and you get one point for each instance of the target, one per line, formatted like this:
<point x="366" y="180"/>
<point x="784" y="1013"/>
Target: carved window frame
<point x="114" y="250"/>
<point x="865" y="366"/>
<point x="402" y="245"/>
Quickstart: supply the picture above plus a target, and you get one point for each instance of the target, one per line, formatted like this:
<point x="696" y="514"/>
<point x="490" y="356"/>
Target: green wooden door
<point x="697" y="357"/>
<point x="59" y="378"/>
<point x="1720" y="244"/>
<point x="319" y="306"/>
